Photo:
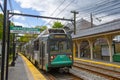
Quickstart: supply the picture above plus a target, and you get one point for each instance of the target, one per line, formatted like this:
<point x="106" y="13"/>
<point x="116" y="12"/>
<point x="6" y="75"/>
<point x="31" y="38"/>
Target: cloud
<point x="47" y="7"/>
<point x="21" y="24"/>
<point x="18" y="24"/>
<point x="1" y="2"/>
<point x="1" y="12"/>
<point x="18" y="17"/>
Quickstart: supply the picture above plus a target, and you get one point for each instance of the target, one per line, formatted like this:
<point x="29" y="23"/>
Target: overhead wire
<point x="114" y="13"/>
<point x="102" y="9"/>
<point x="108" y="10"/>
<point x="10" y="4"/>
<point x="57" y="8"/>
<point x="97" y="7"/>
<point x="65" y="8"/>
<point x="62" y="10"/>
<point x="12" y="10"/>
<point x="107" y="7"/>
<point x="92" y="6"/>
<point x="55" y="11"/>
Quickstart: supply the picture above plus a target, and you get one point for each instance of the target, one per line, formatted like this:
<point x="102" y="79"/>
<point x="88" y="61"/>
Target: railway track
<point x="97" y="70"/>
<point x="56" y="75"/>
<point x="50" y="77"/>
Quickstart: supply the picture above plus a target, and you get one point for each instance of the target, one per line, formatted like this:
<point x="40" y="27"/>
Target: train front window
<point x="60" y="46"/>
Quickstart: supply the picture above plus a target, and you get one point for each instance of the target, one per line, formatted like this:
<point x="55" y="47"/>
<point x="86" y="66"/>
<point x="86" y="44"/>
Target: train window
<point x="54" y="46"/>
<point x="56" y="31"/>
<point x="60" y="46"/>
<point x="64" y="46"/>
<point x="36" y="45"/>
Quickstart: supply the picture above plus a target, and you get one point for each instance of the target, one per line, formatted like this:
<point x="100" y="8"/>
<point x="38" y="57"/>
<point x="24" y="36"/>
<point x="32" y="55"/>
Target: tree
<point x="42" y="28"/>
<point x="1" y="25"/>
<point x="57" y="25"/>
<point x="27" y="37"/>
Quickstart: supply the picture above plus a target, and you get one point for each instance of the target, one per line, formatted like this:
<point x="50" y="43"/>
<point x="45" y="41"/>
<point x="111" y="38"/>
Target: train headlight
<point x="52" y="57"/>
<point x="70" y="56"/>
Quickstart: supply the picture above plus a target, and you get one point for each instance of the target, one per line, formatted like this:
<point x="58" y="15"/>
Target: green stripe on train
<point x="61" y="60"/>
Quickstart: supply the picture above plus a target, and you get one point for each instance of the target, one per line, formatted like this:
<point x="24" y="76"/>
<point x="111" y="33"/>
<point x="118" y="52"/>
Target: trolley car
<point x="52" y="49"/>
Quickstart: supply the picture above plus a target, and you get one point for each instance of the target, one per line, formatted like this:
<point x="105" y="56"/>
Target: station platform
<point x="24" y="70"/>
<point x="110" y="65"/>
<point x="101" y="62"/>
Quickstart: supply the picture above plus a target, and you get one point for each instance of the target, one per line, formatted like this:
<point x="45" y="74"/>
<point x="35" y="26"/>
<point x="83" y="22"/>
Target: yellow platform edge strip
<point x="101" y="63"/>
<point x="36" y="74"/>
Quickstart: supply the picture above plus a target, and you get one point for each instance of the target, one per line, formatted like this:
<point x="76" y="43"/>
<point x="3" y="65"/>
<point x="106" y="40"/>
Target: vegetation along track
<point x="109" y="74"/>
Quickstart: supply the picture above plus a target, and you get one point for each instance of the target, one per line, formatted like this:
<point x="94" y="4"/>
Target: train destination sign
<point x="24" y="30"/>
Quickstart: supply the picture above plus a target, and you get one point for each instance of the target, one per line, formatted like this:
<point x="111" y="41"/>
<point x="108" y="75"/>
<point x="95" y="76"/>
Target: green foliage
<point x="57" y="25"/>
<point x="11" y="24"/>
<point x="1" y="25"/>
<point x="10" y="58"/>
<point x="42" y="28"/>
<point x="26" y="37"/>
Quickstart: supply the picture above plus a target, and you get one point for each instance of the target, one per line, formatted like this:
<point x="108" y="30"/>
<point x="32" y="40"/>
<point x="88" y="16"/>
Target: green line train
<point x="51" y="49"/>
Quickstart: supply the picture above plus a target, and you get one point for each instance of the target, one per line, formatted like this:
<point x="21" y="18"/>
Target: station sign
<point x="24" y="30"/>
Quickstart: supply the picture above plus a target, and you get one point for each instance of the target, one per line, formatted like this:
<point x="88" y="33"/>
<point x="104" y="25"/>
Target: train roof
<point x="49" y="31"/>
<point x="53" y="31"/>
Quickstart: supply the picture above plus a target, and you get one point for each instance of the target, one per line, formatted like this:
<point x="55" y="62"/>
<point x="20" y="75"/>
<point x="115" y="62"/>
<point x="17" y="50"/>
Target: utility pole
<point x="8" y="45"/>
<point x="3" y="41"/>
<point x="91" y="18"/>
<point x="74" y="12"/>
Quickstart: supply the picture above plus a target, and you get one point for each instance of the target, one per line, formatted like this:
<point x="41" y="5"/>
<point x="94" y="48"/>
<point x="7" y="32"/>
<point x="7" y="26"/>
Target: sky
<point x="102" y="10"/>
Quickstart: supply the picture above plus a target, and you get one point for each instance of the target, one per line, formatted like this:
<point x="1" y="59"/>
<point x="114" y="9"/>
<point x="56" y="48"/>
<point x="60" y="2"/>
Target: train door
<point x="40" y="52"/>
<point x="42" y="55"/>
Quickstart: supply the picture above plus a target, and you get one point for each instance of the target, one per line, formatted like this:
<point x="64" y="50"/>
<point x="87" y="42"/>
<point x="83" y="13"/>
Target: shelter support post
<point x="78" y="46"/>
<point x="109" y="41"/>
<point x="91" y="48"/>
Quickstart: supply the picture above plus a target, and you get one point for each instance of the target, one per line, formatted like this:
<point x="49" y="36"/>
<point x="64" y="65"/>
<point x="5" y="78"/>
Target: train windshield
<point x="60" y="46"/>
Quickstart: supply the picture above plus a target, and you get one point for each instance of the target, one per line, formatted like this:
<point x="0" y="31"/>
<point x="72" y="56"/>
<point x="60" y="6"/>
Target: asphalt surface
<point x="19" y="71"/>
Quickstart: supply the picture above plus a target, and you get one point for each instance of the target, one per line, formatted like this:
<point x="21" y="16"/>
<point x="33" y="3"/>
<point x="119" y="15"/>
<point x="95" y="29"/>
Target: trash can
<point x="116" y="57"/>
